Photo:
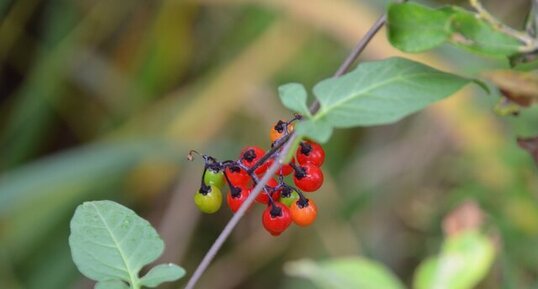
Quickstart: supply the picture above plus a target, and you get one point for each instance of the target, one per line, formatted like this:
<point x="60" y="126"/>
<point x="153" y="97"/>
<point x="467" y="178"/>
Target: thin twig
<point x="361" y="45"/>
<point x="212" y="252"/>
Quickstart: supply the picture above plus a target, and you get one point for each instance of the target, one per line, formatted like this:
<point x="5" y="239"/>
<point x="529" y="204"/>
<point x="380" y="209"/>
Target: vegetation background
<point x="103" y="99"/>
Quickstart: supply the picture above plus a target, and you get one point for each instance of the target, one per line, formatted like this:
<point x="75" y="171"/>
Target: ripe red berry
<point x="303" y="212"/>
<point x="310" y="152"/>
<point x="237" y="196"/>
<point x="276" y="218"/>
<point x="308" y="177"/>
<point x="251" y="155"/>
<point x="285" y="170"/>
<point x="237" y="176"/>
<point x="263" y="197"/>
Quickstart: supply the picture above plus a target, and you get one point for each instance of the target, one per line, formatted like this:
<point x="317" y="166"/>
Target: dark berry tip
<point x="286" y="192"/>
<point x="235" y="192"/>
<point x="249" y="155"/>
<point x="306" y="148"/>
<point x="276" y="211"/>
<point x="205" y="189"/>
<point x="280" y="126"/>
<point x="302" y="203"/>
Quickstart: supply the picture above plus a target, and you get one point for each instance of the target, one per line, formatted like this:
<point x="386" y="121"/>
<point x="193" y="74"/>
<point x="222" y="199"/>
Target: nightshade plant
<point x="375" y="93"/>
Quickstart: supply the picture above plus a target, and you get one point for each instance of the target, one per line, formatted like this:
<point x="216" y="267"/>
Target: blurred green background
<point x="103" y="99"/>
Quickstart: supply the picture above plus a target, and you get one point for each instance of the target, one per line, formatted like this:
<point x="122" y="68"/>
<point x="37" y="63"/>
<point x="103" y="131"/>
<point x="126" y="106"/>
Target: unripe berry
<point x="208" y="199"/>
<point x="278" y="130"/>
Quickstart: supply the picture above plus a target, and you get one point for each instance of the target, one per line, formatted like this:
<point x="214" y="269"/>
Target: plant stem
<point x="287" y="145"/>
<point x="359" y="47"/>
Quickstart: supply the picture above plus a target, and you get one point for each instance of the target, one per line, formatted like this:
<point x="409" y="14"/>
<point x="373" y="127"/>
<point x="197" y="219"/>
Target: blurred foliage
<point x="102" y="100"/>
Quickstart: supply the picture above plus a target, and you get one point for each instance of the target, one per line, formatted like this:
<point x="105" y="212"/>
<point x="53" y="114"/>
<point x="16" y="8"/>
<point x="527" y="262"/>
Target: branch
<point x="277" y="164"/>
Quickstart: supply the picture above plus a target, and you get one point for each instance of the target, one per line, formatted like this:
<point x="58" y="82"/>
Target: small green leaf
<point x="478" y="36"/>
<point x="111" y="242"/>
<point x="414" y="28"/>
<point x="162" y="273"/>
<point x="111" y="284"/>
<point x="465" y="259"/>
<point x="293" y="96"/>
<point x="317" y="130"/>
<point x="345" y="273"/>
<point x="382" y="92"/>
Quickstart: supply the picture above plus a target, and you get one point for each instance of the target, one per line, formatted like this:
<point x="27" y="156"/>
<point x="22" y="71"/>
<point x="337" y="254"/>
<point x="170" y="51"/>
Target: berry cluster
<point x="285" y="203"/>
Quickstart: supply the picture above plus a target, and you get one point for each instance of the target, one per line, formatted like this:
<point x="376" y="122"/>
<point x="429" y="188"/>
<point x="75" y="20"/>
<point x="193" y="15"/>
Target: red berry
<point x="237" y="176"/>
<point x="263" y="198"/>
<point x="310" y="152"/>
<point x="251" y="155"/>
<point x="236" y="197"/>
<point x="285" y="170"/>
<point x="308" y="177"/>
<point x="276" y="218"/>
<point x="303" y="212"/>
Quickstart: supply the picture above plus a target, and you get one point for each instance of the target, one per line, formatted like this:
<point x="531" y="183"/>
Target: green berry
<point x="208" y="199"/>
<point x="214" y="177"/>
<point x="288" y="196"/>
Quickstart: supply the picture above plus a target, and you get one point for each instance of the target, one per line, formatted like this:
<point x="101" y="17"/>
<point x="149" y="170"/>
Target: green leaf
<point x="382" y="92"/>
<point x="478" y="36"/>
<point x="110" y="242"/>
<point x="111" y="284"/>
<point x="414" y="28"/>
<point x="293" y="96"/>
<point x="465" y="259"/>
<point x="317" y="130"/>
<point x="162" y="273"/>
<point x="345" y="273"/>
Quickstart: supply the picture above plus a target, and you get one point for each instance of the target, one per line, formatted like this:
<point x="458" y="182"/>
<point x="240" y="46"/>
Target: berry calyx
<point x="308" y="177"/>
<point x="288" y="196"/>
<point x="279" y="130"/>
<point x="214" y="176"/>
<point x="250" y="156"/>
<point x="276" y="218"/>
<point x="237" y="176"/>
<point x="310" y="152"/>
<point x="236" y="197"/>
<point x="303" y="212"/>
<point x="208" y="199"/>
